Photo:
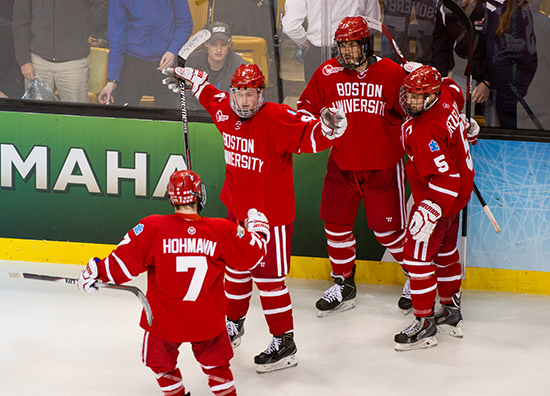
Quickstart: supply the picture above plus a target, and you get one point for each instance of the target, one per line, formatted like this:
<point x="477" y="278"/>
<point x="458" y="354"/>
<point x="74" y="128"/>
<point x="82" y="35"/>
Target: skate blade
<point x="345" y="306"/>
<point x="236" y="343"/>
<point x="424" y="343"/>
<point x="405" y="312"/>
<point x="453" y="331"/>
<point x="288" y="362"/>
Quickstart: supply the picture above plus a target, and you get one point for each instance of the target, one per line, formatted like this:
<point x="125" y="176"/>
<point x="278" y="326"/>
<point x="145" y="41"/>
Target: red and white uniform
<point x="366" y="163"/>
<point x="184" y="257"/>
<point x="258" y="173"/>
<point x="258" y="154"/>
<point x="441" y="170"/>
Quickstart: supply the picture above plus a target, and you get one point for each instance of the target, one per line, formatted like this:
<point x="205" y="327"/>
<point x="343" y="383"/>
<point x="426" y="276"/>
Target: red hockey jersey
<point x="440" y="167"/>
<point x="185" y="258"/>
<point x="258" y="155"/>
<point x="370" y="100"/>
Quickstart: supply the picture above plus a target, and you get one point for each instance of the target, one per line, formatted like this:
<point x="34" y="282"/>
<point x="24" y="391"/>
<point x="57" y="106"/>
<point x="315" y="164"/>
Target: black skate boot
<point x="405" y="304"/>
<point x="338" y="298"/>
<point x="449" y="318"/>
<point x="235" y="331"/>
<point x="420" y="334"/>
<point x="280" y="354"/>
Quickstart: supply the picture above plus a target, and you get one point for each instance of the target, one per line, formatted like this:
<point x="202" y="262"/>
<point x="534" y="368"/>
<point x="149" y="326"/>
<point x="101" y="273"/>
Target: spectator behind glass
<point x="51" y="40"/>
<point x="297" y="11"/>
<point x="537" y="95"/>
<point x="511" y="58"/>
<point x="217" y="59"/>
<point x="144" y="36"/>
<point x="11" y="79"/>
<point x="397" y="18"/>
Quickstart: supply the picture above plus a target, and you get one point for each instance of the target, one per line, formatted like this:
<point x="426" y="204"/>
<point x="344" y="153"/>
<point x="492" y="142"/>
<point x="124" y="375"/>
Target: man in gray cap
<point x="217" y="59"/>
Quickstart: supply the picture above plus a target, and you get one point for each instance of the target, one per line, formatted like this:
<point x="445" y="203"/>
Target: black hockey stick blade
<point x="192" y="44"/>
<point x="459" y="13"/>
<point x="73" y="281"/>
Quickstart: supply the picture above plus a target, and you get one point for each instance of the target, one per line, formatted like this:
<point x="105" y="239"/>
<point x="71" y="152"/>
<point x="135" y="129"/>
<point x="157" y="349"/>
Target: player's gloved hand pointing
<point x="194" y="79"/>
<point x="424" y="220"/>
<point x="88" y="277"/>
<point x="333" y="122"/>
<point x="257" y="222"/>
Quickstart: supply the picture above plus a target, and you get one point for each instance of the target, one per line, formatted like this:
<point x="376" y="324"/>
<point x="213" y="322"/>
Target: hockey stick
<point x="73" y="281"/>
<point x="380" y="27"/>
<point x="191" y="45"/>
<point x="526" y="107"/>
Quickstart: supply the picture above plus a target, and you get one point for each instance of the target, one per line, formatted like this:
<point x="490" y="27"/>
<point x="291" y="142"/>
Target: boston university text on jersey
<point x="360" y="104"/>
<point x="241" y="158"/>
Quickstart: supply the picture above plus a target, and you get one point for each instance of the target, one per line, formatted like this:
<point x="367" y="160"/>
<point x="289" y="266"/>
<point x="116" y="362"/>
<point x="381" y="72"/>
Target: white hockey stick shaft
<point x="73" y="281"/>
<point x="191" y="45"/>
<point x="375" y="24"/>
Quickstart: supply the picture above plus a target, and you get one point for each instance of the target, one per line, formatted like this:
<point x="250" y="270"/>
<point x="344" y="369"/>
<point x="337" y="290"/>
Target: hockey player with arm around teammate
<point x="184" y="256"/>
<point x="441" y="175"/>
<point x="366" y="163"/>
<point x="259" y="140"/>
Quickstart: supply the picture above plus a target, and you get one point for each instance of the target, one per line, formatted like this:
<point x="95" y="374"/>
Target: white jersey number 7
<point x="199" y="263"/>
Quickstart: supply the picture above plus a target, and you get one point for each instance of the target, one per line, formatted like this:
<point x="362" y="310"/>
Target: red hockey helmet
<point x="248" y="76"/>
<point x="247" y="90"/>
<point x="353" y="29"/>
<point x="424" y="81"/>
<point x="185" y="187"/>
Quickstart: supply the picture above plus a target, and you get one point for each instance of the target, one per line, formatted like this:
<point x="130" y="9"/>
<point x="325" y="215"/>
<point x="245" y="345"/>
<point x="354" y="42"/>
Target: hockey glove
<point x="257" y="222"/>
<point x="88" y="277"/>
<point x="473" y="129"/>
<point x="424" y="220"/>
<point x="194" y="79"/>
<point x="333" y="122"/>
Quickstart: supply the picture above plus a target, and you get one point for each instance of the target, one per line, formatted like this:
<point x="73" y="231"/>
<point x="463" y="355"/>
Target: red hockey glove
<point x="88" y="277"/>
<point x="333" y="122"/>
<point x="257" y="222"/>
<point x="424" y="220"/>
<point x="194" y="79"/>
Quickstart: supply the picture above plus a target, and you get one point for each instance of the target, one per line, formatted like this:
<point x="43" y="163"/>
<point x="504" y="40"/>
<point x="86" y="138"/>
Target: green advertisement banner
<point x="91" y="179"/>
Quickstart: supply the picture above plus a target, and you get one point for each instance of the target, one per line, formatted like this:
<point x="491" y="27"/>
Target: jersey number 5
<point x="183" y="264"/>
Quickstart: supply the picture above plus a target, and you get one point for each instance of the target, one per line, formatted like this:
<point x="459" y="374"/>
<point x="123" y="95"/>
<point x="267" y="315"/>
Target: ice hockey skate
<point x="405" y="303"/>
<point x="338" y="298"/>
<point x="448" y="318"/>
<point x="235" y="331"/>
<point x="420" y="334"/>
<point x="280" y="354"/>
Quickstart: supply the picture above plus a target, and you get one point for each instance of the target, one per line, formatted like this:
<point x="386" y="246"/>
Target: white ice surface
<point x="56" y="340"/>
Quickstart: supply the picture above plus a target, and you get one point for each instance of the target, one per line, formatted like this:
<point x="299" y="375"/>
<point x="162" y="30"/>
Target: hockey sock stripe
<point x="277" y="310"/>
<point x="342" y="244"/>
<point x="268" y="280"/>
<point x="234" y="271"/>
<point x="275" y="293"/>
<point x="332" y="233"/>
<point x="448" y="253"/>
<point x="238" y="297"/>
<point x="343" y="261"/>
<point x="217" y="388"/>
<point x="236" y="280"/>
<point x="449" y="278"/>
<point x="423" y="291"/>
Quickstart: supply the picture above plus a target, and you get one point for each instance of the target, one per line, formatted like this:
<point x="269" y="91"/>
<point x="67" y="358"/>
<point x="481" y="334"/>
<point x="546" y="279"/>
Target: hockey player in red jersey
<point x="184" y="256"/>
<point x="366" y="163"/>
<point x="441" y="175"/>
<point x="259" y="140"/>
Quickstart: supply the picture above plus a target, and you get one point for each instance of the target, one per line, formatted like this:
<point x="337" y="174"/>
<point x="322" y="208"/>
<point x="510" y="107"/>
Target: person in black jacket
<point x="51" y="41"/>
<point x="217" y="59"/>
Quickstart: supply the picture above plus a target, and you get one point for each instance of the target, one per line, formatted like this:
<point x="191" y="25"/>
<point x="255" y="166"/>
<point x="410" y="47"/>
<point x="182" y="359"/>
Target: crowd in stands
<point x="510" y="53"/>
